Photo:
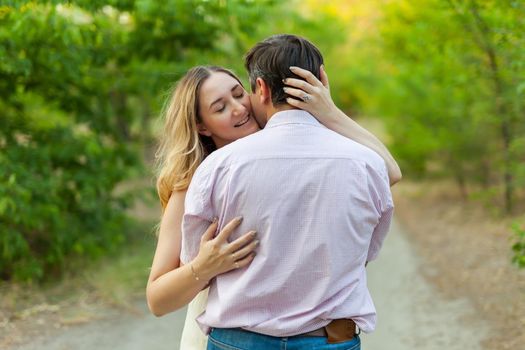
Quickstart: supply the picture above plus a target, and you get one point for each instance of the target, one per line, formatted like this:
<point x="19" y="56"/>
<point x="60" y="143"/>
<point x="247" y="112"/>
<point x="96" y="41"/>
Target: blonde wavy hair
<point x="181" y="148"/>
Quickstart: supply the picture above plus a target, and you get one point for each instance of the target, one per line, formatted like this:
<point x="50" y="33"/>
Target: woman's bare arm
<point x="172" y="285"/>
<point x="323" y="108"/>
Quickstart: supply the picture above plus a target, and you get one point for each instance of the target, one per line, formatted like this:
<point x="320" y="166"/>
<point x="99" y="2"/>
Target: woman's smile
<point x="243" y="121"/>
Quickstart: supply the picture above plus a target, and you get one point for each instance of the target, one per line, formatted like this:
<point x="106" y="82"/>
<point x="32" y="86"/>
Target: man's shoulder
<point x="221" y="157"/>
<point x="354" y="150"/>
<point x="213" y="161"/>
<point x="238" y="148"/>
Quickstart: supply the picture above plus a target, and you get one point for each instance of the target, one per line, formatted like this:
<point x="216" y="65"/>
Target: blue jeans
<point x="238" y="339"/>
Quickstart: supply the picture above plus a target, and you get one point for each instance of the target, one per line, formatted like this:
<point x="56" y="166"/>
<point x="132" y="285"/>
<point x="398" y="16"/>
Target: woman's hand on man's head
<point x="312" y="95"/>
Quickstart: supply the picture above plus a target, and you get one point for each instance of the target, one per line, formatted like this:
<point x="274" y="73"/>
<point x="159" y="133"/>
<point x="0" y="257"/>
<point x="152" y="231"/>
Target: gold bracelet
<point x="197" y="278"/>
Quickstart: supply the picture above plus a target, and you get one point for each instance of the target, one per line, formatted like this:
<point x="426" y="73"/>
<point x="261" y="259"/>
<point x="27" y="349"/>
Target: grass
<point x="91" y="290"/>
<point x="120" y="276"/>
<point x="123" y="277"/>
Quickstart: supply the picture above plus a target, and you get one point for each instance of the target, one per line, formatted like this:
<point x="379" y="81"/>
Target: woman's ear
<point x="203" y="130"/>
<point x="263" y="91"/>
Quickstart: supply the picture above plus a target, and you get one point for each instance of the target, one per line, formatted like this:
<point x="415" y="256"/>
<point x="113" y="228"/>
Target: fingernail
<point x="215" y="219"/>
<point x="253" y="233"/>
<point x="285" y="89"/>
<point x="293" y="67"/>
<point x="238" y="218"/>
<point x="256" y="242"/>
<point x="284" y="80"/>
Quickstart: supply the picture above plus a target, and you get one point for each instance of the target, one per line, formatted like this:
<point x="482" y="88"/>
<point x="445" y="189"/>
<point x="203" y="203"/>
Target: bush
<point x="56" y="191"/>
<point x="79" y="82"/>
<point x="519" y="246"/>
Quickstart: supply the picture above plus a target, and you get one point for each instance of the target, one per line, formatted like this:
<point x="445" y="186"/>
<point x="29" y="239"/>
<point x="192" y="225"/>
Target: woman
<point x="210" y="109"/>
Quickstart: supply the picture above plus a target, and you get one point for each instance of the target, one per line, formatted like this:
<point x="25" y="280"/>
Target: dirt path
<point x="412" y="315"/>
<point x="131" y="331"/>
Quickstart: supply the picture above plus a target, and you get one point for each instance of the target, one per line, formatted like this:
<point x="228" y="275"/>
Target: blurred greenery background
<point x="82" y="83"/>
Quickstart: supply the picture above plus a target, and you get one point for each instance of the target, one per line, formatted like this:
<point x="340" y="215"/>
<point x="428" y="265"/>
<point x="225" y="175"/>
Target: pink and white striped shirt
<point x="321" y="205"/>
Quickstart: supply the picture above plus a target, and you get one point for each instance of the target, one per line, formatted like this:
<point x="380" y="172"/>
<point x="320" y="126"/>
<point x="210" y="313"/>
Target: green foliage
<point x="56" y="187"/>
<point x="447" y="77"/>
<point x="79" y="82"/>
<point x="56" y="172"/>
<point x="519" y="246"/>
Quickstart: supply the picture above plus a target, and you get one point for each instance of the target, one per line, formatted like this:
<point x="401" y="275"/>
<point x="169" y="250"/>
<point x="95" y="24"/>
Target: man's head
<point x="268" y="63"/>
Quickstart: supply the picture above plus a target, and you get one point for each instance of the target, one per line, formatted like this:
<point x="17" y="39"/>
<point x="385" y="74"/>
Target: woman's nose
<point x="238" y="108"/>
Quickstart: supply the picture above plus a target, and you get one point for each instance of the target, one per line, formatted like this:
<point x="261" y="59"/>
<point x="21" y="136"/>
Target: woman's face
<point x="225" y="110"/>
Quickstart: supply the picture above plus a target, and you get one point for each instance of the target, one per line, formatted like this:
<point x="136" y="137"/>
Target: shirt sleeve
<point x="198" y="213"/>
<point x="381" y="195"/>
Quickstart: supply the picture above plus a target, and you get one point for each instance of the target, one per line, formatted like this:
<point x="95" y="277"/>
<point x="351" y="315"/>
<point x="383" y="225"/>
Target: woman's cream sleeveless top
<point x="192" y="336"/>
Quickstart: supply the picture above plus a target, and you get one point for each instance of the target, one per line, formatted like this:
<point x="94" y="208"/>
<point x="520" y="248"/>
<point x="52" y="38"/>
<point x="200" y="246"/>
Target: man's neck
<point x="272" y="110"/>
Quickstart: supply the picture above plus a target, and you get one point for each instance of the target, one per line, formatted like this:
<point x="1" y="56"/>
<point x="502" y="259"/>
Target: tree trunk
<point x="485" y="44"/>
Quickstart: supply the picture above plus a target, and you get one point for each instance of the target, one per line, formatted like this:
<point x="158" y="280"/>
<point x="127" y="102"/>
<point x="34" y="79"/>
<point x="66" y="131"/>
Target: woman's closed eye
<point x="238" y="92"/>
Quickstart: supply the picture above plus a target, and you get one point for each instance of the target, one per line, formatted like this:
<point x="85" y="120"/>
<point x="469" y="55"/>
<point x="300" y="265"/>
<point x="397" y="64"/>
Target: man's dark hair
<point x="271" y="59"/>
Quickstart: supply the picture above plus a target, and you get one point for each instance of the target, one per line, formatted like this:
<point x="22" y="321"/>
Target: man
<point x="321" y="205"/>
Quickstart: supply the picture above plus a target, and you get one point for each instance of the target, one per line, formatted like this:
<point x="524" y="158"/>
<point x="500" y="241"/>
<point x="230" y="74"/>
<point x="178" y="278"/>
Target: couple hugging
<point x="273" y="203"/>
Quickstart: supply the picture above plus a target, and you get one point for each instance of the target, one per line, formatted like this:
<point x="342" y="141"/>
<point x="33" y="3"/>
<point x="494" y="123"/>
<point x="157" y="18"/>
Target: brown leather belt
<point x="337" y="331"/>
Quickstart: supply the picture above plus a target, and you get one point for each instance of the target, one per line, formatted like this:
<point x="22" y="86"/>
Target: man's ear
<point x="203" y="130"/>
<point x="263" y="91"/>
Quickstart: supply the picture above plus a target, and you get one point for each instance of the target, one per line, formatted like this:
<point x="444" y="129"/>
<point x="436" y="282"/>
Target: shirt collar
<point x="292" y="116"/>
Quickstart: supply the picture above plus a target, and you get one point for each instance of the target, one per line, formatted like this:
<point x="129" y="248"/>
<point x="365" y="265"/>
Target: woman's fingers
<point x="299" y="84"/>
<point x="307" y="75"/>
<point x="324" y="77"/>
<point x="295" y="103"/>
<point x="210" y="232"/>
<point x="247" y="249"/>
<point x="300" y="94"/>
<point x="229" y="228"/>
<point x="241" y="242"/>
<point x="217" y="255"/>
<point x="243" y="262"/>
